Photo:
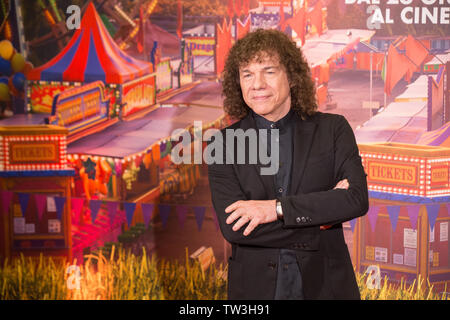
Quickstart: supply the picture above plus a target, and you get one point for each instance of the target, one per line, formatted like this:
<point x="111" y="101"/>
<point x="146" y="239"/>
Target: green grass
<point x="124" y="276"/>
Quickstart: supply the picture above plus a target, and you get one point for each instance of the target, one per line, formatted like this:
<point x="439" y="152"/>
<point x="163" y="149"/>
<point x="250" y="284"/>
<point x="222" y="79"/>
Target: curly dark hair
<point x="254" y="46"/>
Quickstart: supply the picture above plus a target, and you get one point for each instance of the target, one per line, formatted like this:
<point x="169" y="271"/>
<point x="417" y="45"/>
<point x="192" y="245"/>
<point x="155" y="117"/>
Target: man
<point x="286" y="229"/>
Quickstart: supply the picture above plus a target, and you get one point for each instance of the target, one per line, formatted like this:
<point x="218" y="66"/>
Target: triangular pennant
<point x="214" y="216"/>
<point x="164" y="211"/>
<point x="129" y="211"/>
<point x="59" y="202"/>
<point x="94" y="205"/>
<point x="147" y="210"/>
<point x="6" y="197"/>
<point x="23" y="200"/>
<point x="199" y="215"/>
<point x="413" y="213"/>
<point x="372" y="215"/>
<point x="77" y="205"/>
<point x="352" y="224"/>
<point x="182" y="214"/>
<point x="41" y="201"/>
<point x="393" y="212"/>
<point x="112" y="210"/>
<point x="432" y="210"/>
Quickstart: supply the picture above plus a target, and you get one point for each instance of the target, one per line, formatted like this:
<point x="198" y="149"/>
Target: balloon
<point x="4" y="92"/>
<point x="5" y="67"/>
<point x="4" y="80"/>
<point x="27" y="68"/>
<point x="6" y="49"/>
<point x="12" y="89"/>
<point x="18" y="80"/>
<point x="17" y="62"/>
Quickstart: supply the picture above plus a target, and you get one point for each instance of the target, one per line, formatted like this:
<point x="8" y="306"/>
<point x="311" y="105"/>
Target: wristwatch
<point x="279" y="210"/>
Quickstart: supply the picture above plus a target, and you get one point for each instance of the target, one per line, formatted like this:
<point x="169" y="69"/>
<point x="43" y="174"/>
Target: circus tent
<point x="91" y="55"/>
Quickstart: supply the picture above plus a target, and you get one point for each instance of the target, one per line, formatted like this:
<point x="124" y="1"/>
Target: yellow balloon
<point x="4" y="92"/>
<point x="17" y="62"/>
<point x="6" y="49"/>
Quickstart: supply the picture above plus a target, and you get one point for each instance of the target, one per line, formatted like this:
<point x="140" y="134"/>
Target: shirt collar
<point x="283" y="123"/>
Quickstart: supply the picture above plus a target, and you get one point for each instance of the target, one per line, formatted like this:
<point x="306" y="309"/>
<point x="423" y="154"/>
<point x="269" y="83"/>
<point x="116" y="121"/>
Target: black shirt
<point x="289" y="282"/>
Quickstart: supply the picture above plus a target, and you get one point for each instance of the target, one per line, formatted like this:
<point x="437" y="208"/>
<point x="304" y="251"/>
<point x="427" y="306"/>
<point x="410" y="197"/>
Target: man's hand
<point x="260" y="211"/>
<point x="254" y="211"/>
<point x="343" y="184"/>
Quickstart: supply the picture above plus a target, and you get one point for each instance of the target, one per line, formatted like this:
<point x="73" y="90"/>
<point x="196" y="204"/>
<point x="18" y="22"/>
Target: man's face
<point x="265" y="87"/>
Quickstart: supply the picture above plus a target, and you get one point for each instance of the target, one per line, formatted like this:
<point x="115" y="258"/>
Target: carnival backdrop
<point x="91" y="92"/>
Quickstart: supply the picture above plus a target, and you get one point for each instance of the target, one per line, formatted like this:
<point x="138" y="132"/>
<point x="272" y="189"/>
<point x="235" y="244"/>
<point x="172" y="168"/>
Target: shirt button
<point x="298" y="220"/>
<point x="303" y="219"/>
<point x="273" y="125"/>
<point x="280" y="190"/>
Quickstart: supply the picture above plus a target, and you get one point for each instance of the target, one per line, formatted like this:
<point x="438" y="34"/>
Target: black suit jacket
<point x="325" y="152"/>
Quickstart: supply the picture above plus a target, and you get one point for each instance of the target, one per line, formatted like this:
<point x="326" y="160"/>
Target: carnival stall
<point x="35" y="188"/>
<point x="405" y="232"/>
<point x="92" y="55"/>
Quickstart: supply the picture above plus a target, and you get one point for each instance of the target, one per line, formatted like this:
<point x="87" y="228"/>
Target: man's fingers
<point x="251" y="226"/>
<point x="240" y="223"/>
<point x="236" y="214"/>
<point x="343" y="184"/>
<point x="232" y="207"/>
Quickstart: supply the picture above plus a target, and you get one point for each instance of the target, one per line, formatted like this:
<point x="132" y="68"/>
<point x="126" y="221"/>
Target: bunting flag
<point x="182" y="214"/>
<point x="396" y="68"/>
<point x="6" y="197"/>
<point x="147" y="210"/>
<point x="416" y="53"/>
<point x="317" y="17"/>
<point x="214" y="216"/>
<point x="59" y="203"/>
<point x="129" y="211"/>
<point x="41" y="201"/>
<point x="164" y="211"/>
<point x="393" y="212"/>
<point x="223" y="35"/>
<point x="23" y="200"/>
<point x="94" y="205"/>
<point x="112" y="210"/>
<point x="242" y="28"/>
<point x="199" y="215"/>
<point x="298" y="23"/>
<point x="372" y="214"/>
<point x="352" y="224"/>
<point x="432" y="211"/>
<point x="413" y="213"/>
<point x="77" y="205"/>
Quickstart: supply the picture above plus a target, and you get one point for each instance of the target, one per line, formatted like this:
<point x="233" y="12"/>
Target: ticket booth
<point x="409" y="193"/>
<point x="405" y="232"/>
<point x="35" y="192"/>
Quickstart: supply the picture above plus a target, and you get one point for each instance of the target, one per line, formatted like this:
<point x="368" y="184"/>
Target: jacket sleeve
<point x="336" y="205"/>
<point x="226" y="189"/>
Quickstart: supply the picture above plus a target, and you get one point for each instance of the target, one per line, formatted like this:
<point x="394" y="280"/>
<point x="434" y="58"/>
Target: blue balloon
<point x="18" y="81"/>
<point x="5" y="67"/>
<point x="4" y="80"/>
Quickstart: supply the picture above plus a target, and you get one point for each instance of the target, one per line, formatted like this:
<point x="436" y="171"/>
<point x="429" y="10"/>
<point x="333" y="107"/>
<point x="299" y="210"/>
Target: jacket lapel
<point x="303" y="137"/>
<point x="267" y="180"/>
